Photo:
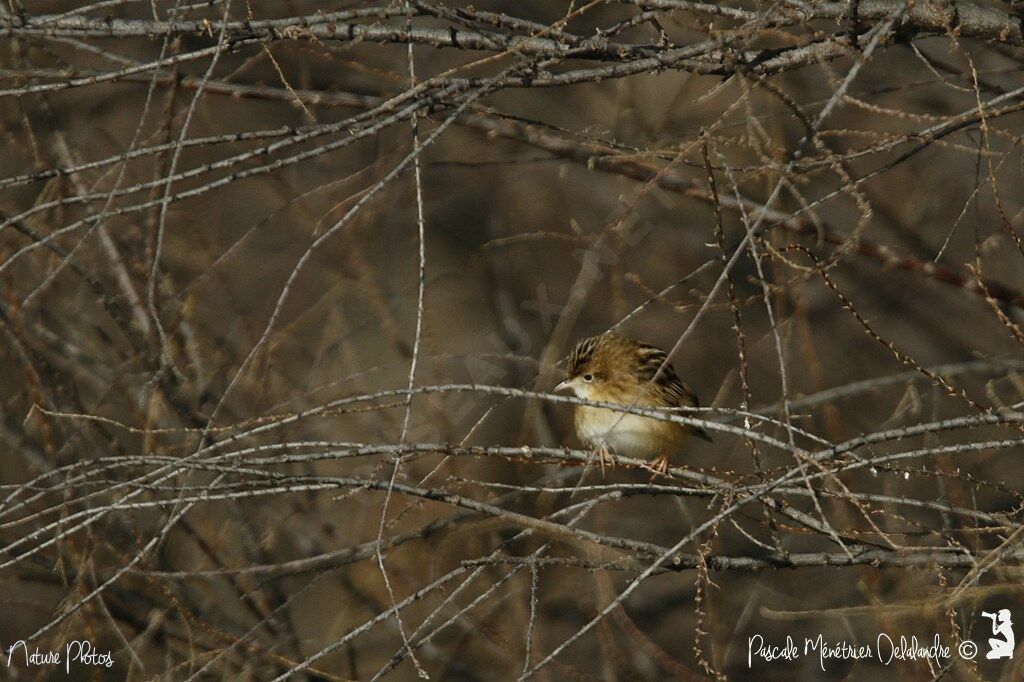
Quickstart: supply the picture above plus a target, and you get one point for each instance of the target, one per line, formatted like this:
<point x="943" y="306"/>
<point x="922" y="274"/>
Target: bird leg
<point x="604" y="457"/>
<point x="659" y="465"/>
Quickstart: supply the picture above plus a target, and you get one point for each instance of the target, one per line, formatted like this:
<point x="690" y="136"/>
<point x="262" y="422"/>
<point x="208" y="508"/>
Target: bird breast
<point x="625" y="434"/>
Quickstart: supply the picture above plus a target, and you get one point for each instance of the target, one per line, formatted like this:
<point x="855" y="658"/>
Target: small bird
<point x="611" y="368"/>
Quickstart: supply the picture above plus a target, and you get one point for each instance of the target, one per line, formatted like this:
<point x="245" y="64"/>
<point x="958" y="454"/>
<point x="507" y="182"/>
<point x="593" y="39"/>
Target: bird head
<point x="590" y="368"/>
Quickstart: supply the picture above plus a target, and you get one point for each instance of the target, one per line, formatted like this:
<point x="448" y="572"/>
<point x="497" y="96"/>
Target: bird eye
<point x="588" y="377"/>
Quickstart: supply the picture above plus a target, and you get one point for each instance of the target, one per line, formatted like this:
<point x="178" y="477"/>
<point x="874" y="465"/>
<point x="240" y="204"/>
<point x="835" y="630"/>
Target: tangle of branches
<point x="286" y="288"/>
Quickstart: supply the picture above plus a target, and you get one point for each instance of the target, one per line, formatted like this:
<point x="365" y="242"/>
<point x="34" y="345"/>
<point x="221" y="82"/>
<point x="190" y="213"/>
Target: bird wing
<point x="667" y="383"/>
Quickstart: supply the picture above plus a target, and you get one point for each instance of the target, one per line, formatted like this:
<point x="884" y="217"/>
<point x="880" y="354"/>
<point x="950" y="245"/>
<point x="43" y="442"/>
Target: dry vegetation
<point x="286" y="285"/>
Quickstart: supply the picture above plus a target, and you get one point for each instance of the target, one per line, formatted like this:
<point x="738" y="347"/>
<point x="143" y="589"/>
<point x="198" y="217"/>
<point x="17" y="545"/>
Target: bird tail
<point x="701" y="433"/>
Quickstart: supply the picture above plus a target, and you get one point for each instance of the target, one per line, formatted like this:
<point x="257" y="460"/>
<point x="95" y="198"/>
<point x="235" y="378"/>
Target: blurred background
<point x="235" y="233"/>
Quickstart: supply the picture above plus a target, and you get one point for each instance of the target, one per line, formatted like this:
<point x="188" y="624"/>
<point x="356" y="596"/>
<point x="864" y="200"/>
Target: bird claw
<point x="659" y="465"/>
<point x="604" y="458"/>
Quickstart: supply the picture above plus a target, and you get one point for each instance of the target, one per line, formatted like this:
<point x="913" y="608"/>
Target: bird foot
<point x="604" y="458"/>
<point x="659" y="465"/>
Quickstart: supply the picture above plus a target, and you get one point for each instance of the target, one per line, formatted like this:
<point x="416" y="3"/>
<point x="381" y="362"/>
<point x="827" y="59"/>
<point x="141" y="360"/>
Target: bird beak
<point x="563" y="386"/>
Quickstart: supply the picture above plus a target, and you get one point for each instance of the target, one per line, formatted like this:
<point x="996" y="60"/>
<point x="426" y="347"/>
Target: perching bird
<point x="611" y="368"/>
